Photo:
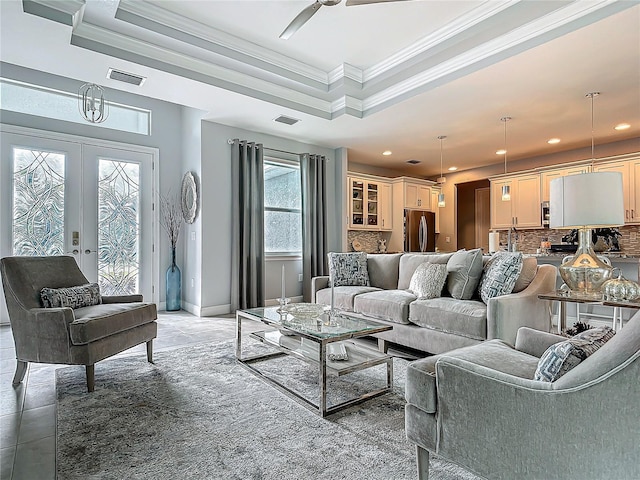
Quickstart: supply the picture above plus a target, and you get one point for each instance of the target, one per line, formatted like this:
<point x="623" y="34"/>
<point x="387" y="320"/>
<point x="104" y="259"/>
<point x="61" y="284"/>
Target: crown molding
<point x="66" y="12"/>
<point x="217" y="41"/>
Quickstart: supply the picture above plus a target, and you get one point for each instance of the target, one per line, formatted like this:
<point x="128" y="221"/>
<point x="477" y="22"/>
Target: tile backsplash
<point x="368" y="240"/>
<point x="529" y="240"/>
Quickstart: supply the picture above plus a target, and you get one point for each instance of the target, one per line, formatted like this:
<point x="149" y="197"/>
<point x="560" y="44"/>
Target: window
<point x="45" y="102"/>
<point x="282" y="208"/>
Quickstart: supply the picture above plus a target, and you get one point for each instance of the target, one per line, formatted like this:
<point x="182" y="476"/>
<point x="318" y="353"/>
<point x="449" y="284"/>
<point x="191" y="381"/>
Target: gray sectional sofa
<point x="441" y="324"/>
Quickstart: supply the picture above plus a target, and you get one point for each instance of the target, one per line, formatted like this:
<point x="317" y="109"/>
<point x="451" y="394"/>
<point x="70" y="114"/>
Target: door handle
<point x="87" y="251"/>
<point x="75" y="251"/>
<point x="626" y="214"/>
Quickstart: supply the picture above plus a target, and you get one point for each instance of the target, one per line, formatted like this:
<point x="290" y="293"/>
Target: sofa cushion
<point x="389" y="305"/>
<point x="73" y="297"/>
<point x="467" y="318"/>
<point x="99" y="321"/>
<point x="348" y="269"/>
<point x="342" y="296"/>
<point x="464" y="271"/>
<point x="383" y="270"/>
<point x="500" y="274"/>
<point x="528" y="273"/>
<point x="561" y="357"/>
<point x="495" y="354"/>
<point x="428" y="280"/>
<point x="410" y="261"/>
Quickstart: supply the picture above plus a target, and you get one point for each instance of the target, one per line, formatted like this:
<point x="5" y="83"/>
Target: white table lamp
<point x="583" y="202"/>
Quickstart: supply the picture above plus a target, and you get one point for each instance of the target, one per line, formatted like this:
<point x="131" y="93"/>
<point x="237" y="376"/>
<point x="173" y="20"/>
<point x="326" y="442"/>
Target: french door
<point x="93" y="202"/>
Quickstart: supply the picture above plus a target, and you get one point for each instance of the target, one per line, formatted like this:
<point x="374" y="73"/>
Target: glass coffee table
<point x="293" y="337"/>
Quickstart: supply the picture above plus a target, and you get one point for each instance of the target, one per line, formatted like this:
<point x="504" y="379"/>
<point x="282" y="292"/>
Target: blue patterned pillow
<point x="500" y="275"/>
<point x="348" y="269"/>
<point x="74" y="297"/>
<point x="561" y="357"/>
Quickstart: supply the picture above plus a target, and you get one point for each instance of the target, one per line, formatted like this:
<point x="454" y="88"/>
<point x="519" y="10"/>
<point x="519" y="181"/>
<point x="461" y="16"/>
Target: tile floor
<point x="28" y="411"/>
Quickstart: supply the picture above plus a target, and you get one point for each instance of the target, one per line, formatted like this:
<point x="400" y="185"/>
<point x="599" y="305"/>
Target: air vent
<point x="125" y="77"/>
<point x="286" y="120"/>
<point x="413" y="162"/>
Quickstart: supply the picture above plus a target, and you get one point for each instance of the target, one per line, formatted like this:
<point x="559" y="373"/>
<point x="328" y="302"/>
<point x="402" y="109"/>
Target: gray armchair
<point x="479" y="407"/>
<point x="81" y="336"/>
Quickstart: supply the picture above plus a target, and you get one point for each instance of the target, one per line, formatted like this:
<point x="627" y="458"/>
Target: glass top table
<point x="292" y="336"/>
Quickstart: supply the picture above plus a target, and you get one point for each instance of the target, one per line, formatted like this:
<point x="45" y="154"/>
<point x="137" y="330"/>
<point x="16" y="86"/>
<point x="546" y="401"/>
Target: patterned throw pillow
<point x="500" y="275"/>
<point x="348" y="269"/>
<point x="74" y="297"/>
<point x="428" y="280"/>
<point x="561" y="357"/>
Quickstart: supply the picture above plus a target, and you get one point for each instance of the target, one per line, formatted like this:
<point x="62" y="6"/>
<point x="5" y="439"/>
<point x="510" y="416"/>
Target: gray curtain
<point x="247" y="247"/>
<point x="314" y="219"/>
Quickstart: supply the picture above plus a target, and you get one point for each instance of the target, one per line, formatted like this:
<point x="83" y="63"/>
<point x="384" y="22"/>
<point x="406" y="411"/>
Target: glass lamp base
<point x="585" y="273"/>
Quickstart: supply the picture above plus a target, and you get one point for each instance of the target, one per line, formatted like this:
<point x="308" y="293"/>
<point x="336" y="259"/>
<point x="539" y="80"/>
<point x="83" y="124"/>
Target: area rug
<point x="197" y="414"/>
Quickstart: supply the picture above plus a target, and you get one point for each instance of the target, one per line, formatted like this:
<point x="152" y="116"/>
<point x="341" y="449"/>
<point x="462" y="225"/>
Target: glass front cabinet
<point x="366" y="209"/>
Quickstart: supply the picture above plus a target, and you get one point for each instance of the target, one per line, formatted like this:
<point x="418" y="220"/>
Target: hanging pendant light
<point x="92" y="104"/>
<point x="441" y="180"/>
<point x="506" y="189"/>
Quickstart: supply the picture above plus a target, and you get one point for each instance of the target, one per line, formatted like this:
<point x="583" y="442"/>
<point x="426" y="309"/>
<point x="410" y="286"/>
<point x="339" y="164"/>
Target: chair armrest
<point x="507" y="313"/>
<point x="318" y="283"/>
<point x="121" y="298"/>
<point x="42" y="335"/>
<point x="535" y="342"/>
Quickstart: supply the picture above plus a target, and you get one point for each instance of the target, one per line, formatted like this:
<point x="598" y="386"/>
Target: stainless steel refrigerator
<point x="419" y="231"/>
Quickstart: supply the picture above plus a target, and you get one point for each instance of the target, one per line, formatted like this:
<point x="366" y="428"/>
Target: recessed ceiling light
<point x="501" y="152"/>
<point x="622" y="126"/>
<point x="453" y="169"/>
<point x="553" y="141"/>
<point x="387" y="152"/>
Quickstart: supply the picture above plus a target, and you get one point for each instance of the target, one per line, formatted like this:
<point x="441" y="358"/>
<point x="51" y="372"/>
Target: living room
<point x="191" y="133"/>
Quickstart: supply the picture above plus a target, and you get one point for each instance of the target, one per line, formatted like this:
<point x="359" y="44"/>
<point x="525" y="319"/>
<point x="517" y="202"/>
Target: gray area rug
<point x="197" y="414"/>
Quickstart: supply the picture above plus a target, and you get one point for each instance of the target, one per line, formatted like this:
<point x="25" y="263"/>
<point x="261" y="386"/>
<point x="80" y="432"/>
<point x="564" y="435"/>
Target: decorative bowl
<point x="306" y="310"/>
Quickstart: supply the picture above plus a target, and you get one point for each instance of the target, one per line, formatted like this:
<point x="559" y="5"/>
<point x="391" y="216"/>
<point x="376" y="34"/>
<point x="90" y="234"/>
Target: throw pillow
<point x="464" y="269"/>
<point x="428" y="280"/>
<point x="500" y="275"/>
<point x="74" y="297"/>
<point x="348" y="269"/>
<point x="528" y="273"/>
<point x="561" y="357"/>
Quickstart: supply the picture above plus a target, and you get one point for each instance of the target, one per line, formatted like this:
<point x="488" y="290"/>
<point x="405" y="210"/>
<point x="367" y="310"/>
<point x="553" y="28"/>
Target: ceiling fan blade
<point x="302" y="18"/>
<point x="351" y="3"/>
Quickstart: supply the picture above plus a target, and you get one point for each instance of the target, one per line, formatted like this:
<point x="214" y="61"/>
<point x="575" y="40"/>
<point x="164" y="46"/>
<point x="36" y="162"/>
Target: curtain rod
<point x="230" y="142"/>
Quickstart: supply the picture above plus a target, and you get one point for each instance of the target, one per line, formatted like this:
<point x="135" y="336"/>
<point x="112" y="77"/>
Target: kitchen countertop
<point x="620" y="257"/>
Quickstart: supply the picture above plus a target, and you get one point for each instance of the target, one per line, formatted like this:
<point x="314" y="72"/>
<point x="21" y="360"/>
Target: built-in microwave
<point x="545" y="214"/>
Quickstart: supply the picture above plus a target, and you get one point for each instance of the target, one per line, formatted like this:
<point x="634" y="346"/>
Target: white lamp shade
<point x="587" y="200"/>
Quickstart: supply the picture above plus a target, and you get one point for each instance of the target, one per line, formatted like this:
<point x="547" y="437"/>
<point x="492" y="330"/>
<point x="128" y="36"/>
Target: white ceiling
<point x="371" y="78"/>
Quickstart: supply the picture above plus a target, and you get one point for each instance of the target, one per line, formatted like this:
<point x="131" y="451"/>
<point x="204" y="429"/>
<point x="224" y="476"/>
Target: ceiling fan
<point x="305" y="15"/>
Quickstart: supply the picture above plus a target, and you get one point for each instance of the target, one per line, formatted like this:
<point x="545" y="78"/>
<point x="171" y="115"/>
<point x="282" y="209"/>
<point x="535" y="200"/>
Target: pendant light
<point x="91" y="103"/>
<point x="506" y="189"/>
<point x="441" y="180"/>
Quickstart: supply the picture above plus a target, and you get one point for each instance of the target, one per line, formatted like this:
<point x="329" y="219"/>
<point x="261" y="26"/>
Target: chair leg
<point x="150" y="351"/>
<point x="422" y="457"/>
<point x="91" y="382"/>
<point x="21" y="369"/>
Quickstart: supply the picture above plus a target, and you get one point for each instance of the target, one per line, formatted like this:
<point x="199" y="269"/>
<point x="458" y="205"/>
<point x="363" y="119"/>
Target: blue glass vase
<point x="174" y="282"/>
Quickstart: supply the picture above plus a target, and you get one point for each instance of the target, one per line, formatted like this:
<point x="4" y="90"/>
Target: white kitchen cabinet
<point x="369" y="204"/>
<point x="630" y="170"/>
<point x="524" y="208"/>
<point x="549" y="175"/>
<point x="417" y="195"/>
<point x="385" y="204"/>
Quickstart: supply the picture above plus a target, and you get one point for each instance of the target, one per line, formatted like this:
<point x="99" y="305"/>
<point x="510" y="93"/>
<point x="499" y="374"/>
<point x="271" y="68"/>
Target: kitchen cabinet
<point x="523" y="210"/>
<point x="417" y="196"/>
<point x="630" y="170"/>
<point x="369" y="204"/>
<point x="549" y="175"/>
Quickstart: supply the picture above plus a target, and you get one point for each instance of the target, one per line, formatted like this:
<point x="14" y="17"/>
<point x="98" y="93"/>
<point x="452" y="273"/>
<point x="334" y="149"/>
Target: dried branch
<point x="171" y="217"/>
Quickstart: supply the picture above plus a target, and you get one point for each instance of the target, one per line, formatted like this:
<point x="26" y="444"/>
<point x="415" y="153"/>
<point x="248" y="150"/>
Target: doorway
<point x="93" y="202"/>
<point x="472" y="224"/>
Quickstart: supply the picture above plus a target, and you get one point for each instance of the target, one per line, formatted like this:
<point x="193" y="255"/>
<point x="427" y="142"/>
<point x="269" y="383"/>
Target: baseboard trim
<point x="215" y="310"/>
<point x="191" y="308"/>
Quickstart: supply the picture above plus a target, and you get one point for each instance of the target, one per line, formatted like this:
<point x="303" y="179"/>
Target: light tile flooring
<point x="28" y="411"/>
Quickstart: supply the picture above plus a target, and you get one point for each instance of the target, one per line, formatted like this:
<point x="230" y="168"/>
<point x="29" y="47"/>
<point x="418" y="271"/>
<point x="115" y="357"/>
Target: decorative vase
<point x="174" y="282"/>
<point x="584" y="273"/>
